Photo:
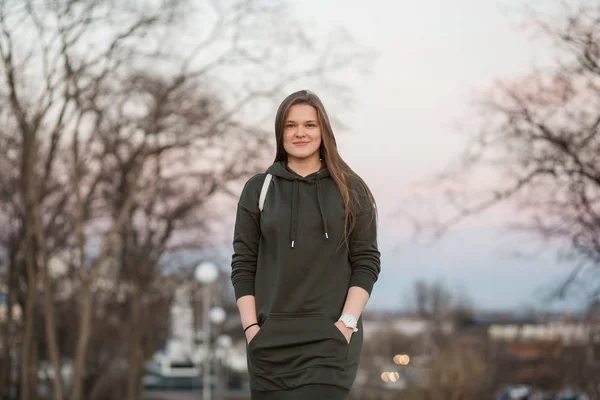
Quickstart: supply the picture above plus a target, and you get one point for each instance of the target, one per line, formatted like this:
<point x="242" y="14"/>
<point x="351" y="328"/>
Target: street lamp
<point x="217" y="315"/>
<point x="224" y="343"/>
<point x="206" y="274"/>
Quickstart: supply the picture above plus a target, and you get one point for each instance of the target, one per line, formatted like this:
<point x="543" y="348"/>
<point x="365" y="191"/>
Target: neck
<point x="304" y="167"/>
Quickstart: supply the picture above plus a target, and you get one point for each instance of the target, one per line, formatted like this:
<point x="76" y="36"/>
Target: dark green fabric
<point x="292" y="258"/>
<point x="316" y="392"/>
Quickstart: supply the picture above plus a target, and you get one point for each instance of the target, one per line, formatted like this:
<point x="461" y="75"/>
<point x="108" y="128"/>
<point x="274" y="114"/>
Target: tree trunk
<point x="5" y="357"/>
<point x="85" y="322"/>
<point x="28" y="182"/>
<point x="88" y="279"/>
<point x="33" y="361"/>
<point x="29" y="344"/>
<point x="8" y="331"/>
<point x="104" y="387"/>
<point x="49" y="315"/>
<point x="51" y="338"/>
<point x="135" y="357"/>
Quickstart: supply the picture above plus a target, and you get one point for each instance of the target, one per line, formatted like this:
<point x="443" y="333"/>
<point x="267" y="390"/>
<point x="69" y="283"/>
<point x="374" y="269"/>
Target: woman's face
<point x="302" y="133"/>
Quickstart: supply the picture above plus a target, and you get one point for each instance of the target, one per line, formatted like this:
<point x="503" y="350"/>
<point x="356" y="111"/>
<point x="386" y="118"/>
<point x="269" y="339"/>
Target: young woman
<point x="304" y="261"/>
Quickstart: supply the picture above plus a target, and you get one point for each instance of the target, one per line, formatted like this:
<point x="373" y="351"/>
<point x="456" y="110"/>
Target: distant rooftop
<point x="484" y="320"/>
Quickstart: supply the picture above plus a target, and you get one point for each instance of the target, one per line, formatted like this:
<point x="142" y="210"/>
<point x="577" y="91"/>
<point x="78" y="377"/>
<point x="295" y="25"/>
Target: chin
<point x="303" y="156"/>
<point x="302" y="153"/>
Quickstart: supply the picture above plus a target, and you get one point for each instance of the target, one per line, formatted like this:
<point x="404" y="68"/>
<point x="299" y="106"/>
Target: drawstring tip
<point x="326" y="235"/>
<point x="292" y="243"/>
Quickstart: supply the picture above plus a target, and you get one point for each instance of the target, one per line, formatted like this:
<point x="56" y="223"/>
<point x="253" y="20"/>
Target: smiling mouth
<point x="301" y="143"/>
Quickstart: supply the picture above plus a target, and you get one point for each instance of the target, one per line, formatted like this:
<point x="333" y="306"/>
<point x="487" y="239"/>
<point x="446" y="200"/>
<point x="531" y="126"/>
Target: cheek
<point x="287" y="139"/>
<point x="317" y="137"/>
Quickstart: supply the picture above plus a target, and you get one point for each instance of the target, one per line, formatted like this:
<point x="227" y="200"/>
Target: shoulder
<point x="358" y="186"/>
<point x="361" y="193"/>
<point x="255" y="182"/>
<point x="251" y="191"/>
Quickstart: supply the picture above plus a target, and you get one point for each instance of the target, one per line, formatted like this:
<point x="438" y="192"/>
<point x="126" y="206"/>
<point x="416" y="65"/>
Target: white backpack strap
<point x="263" y="191"/>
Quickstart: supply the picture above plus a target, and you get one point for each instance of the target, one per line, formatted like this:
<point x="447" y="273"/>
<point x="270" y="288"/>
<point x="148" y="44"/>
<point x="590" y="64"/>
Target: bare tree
<point x="169" y="212"/>
<point x="580" y="373"/>
<point x="442" y="309"/>
<point x="432" y="300"/>
<point x="458" y="372"/>
<point x="44" y="118"/>
<point x="540" y="135"/>
<point x="115" y="162"/>
<point x="10" y="236"/>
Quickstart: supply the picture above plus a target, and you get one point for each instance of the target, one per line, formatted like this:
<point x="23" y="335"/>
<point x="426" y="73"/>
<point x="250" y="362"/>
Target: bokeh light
<point x="390" y="376"/>
<point x="401" y="359"/>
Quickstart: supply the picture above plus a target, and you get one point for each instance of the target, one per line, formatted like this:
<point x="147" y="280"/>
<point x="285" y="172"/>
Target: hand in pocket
<point x="347" y="332"/>
<point x="251" y="332"/>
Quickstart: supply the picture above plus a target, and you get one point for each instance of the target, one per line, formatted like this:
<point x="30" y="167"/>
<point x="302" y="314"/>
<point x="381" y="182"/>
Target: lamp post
<point x="224" y="343"/>
<point x="217" y="316"/>
<point x="206" y="274"/>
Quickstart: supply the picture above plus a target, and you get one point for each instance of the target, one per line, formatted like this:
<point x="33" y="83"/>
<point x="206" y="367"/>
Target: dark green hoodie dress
<point x="290" y="258"/>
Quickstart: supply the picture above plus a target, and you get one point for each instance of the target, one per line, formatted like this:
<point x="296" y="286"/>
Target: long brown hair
<point x="341" y="173"/>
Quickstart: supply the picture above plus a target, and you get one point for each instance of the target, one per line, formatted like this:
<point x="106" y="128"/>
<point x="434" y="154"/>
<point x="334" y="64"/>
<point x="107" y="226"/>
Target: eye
<point x="312" y="125"/>
<point x="289" y="125"/>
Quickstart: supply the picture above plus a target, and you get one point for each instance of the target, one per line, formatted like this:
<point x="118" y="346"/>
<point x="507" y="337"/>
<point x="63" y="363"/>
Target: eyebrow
<point x="310" y="120"/>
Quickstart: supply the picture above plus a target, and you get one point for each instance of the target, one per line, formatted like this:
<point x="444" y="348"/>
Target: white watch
<point x="349" y="321"/>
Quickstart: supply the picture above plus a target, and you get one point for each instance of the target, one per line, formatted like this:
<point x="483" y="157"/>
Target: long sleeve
<point x="363" y="251"/>
<point x="246" y="239"/>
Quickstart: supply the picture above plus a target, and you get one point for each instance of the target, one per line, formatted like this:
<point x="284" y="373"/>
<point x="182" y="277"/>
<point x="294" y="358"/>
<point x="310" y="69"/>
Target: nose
<point x="300" y="132"/>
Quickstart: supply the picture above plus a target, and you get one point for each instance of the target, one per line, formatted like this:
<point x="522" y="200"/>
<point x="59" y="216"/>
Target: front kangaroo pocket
<point x="291" y="342"/>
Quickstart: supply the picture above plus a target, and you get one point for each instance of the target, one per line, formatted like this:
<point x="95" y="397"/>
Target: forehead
<point x="302" y="112"/>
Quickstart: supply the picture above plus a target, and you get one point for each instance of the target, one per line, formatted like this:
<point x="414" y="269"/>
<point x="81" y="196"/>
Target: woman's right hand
<point x="251" y="332"/>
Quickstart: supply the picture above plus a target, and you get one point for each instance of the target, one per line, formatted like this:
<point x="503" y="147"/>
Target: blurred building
<point x="179" y="365"/>
<point x="532" y="350"/>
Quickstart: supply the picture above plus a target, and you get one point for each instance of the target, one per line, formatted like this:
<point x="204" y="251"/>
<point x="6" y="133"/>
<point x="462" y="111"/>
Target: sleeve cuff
<point x="243" y="288"/>
<point x="364" y="281"/>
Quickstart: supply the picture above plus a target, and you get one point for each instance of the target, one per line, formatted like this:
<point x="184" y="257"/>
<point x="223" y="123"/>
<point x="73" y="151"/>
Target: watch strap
<point x="349" y="321"/>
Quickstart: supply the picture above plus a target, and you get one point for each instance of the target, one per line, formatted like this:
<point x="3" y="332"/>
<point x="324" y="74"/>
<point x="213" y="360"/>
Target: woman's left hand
<point x="347" y="332"/>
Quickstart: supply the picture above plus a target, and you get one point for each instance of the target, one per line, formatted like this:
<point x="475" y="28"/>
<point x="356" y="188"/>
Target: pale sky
<point x="433" y="56"/>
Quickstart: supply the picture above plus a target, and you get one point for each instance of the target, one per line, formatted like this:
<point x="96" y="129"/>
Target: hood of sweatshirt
<point x="280" y="170"/>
